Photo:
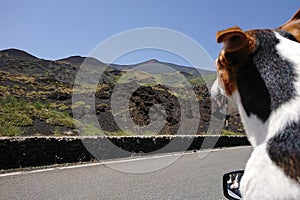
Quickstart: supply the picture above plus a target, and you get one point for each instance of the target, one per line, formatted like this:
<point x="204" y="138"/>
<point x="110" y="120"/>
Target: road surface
<point x="191" y="176"/>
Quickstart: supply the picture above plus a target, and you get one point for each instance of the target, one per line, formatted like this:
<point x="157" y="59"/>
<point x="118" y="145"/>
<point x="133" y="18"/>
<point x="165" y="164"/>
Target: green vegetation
<point x="90" y="129"/>
<point x="8" y="129"/>
<point x="30" y="88"/>
<point x="56" y="132"/>
<point x="36" y="95"/>
<point x="58" y="118"/>
<point x="17" y="113"/>
<point x="205" y="79"/>
<point x="119" y="133"/>
<point x="229" y="133"/>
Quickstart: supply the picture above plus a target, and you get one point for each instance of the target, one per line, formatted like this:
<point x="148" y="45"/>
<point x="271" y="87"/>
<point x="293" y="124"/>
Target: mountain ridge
<point x="77" y="59"/>
<point x="17" y="53"/>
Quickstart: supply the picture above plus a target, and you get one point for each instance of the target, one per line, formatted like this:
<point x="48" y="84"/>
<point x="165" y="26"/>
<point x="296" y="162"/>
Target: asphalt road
<point x="190" y="176"/>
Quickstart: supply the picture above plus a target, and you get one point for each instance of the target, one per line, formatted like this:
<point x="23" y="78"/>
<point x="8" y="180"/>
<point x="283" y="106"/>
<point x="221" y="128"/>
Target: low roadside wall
<point x="39" y="151"/>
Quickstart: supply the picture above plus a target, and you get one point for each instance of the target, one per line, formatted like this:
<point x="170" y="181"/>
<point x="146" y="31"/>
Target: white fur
<point x="290" y="111"/>
<point x="263" y="179"/>
<point x="255" y="128"/>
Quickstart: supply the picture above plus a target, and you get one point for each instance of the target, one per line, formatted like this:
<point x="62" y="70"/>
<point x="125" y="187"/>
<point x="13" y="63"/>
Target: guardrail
<point x="39" y="151"/>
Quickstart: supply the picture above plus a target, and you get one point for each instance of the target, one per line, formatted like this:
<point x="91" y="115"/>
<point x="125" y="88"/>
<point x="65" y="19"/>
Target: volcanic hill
<point x="36" y="95"/>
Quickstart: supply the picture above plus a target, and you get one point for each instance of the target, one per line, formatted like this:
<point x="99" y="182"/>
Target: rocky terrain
<point x="36" y="95"/>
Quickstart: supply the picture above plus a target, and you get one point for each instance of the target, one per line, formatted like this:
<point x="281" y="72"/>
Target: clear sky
<point x="55" y="29"/>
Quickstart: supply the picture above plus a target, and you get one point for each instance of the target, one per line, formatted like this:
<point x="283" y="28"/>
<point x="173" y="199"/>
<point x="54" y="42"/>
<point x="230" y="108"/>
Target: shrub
<point x="7" y="129"/>
<point x="57" y="118"/>
<point x="16" y="113"/>
<point x="38" y="105"/>
<point x="18" y="119"/>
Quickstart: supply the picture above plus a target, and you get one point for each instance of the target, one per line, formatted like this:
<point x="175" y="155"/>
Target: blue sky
<point x="56" y="29"/>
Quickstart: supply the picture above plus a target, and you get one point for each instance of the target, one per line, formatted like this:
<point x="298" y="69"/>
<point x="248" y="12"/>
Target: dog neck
<point x="269" y="93"/>
<point x="288" y="112"/>
<point x="256" y="129"/>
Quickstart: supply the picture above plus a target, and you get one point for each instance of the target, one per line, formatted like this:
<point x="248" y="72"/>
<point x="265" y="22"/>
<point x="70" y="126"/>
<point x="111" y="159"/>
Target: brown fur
<point x="238" y="46"/>
<point x="293" y="26"/>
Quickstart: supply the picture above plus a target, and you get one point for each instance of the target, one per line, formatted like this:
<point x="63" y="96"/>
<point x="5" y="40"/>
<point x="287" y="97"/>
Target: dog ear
<point x="233" y="38"/>
<point x="293" y="26"/>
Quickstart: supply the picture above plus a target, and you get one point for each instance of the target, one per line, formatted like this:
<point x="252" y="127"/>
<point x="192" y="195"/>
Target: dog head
<point x="251" y="71"/>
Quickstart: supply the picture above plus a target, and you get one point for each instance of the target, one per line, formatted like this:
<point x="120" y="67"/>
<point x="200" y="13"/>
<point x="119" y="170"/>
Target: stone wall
<point x="39" y="151"/>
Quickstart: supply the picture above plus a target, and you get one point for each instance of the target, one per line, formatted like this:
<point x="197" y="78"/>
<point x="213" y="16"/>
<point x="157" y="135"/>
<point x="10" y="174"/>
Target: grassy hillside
<point x="36" y="95"/>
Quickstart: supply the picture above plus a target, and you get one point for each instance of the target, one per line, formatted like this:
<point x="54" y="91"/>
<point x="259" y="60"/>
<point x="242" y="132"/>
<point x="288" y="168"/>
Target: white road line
<point x="75" y="166"/>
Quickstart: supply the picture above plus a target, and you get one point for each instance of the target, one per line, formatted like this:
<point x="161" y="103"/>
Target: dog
<point x="259" y="73"/>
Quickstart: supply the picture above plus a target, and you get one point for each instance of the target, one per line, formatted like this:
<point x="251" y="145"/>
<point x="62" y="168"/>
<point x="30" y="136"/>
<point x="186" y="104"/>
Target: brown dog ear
<point x="233" y="38"/>
<point x="293" y="26"/>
